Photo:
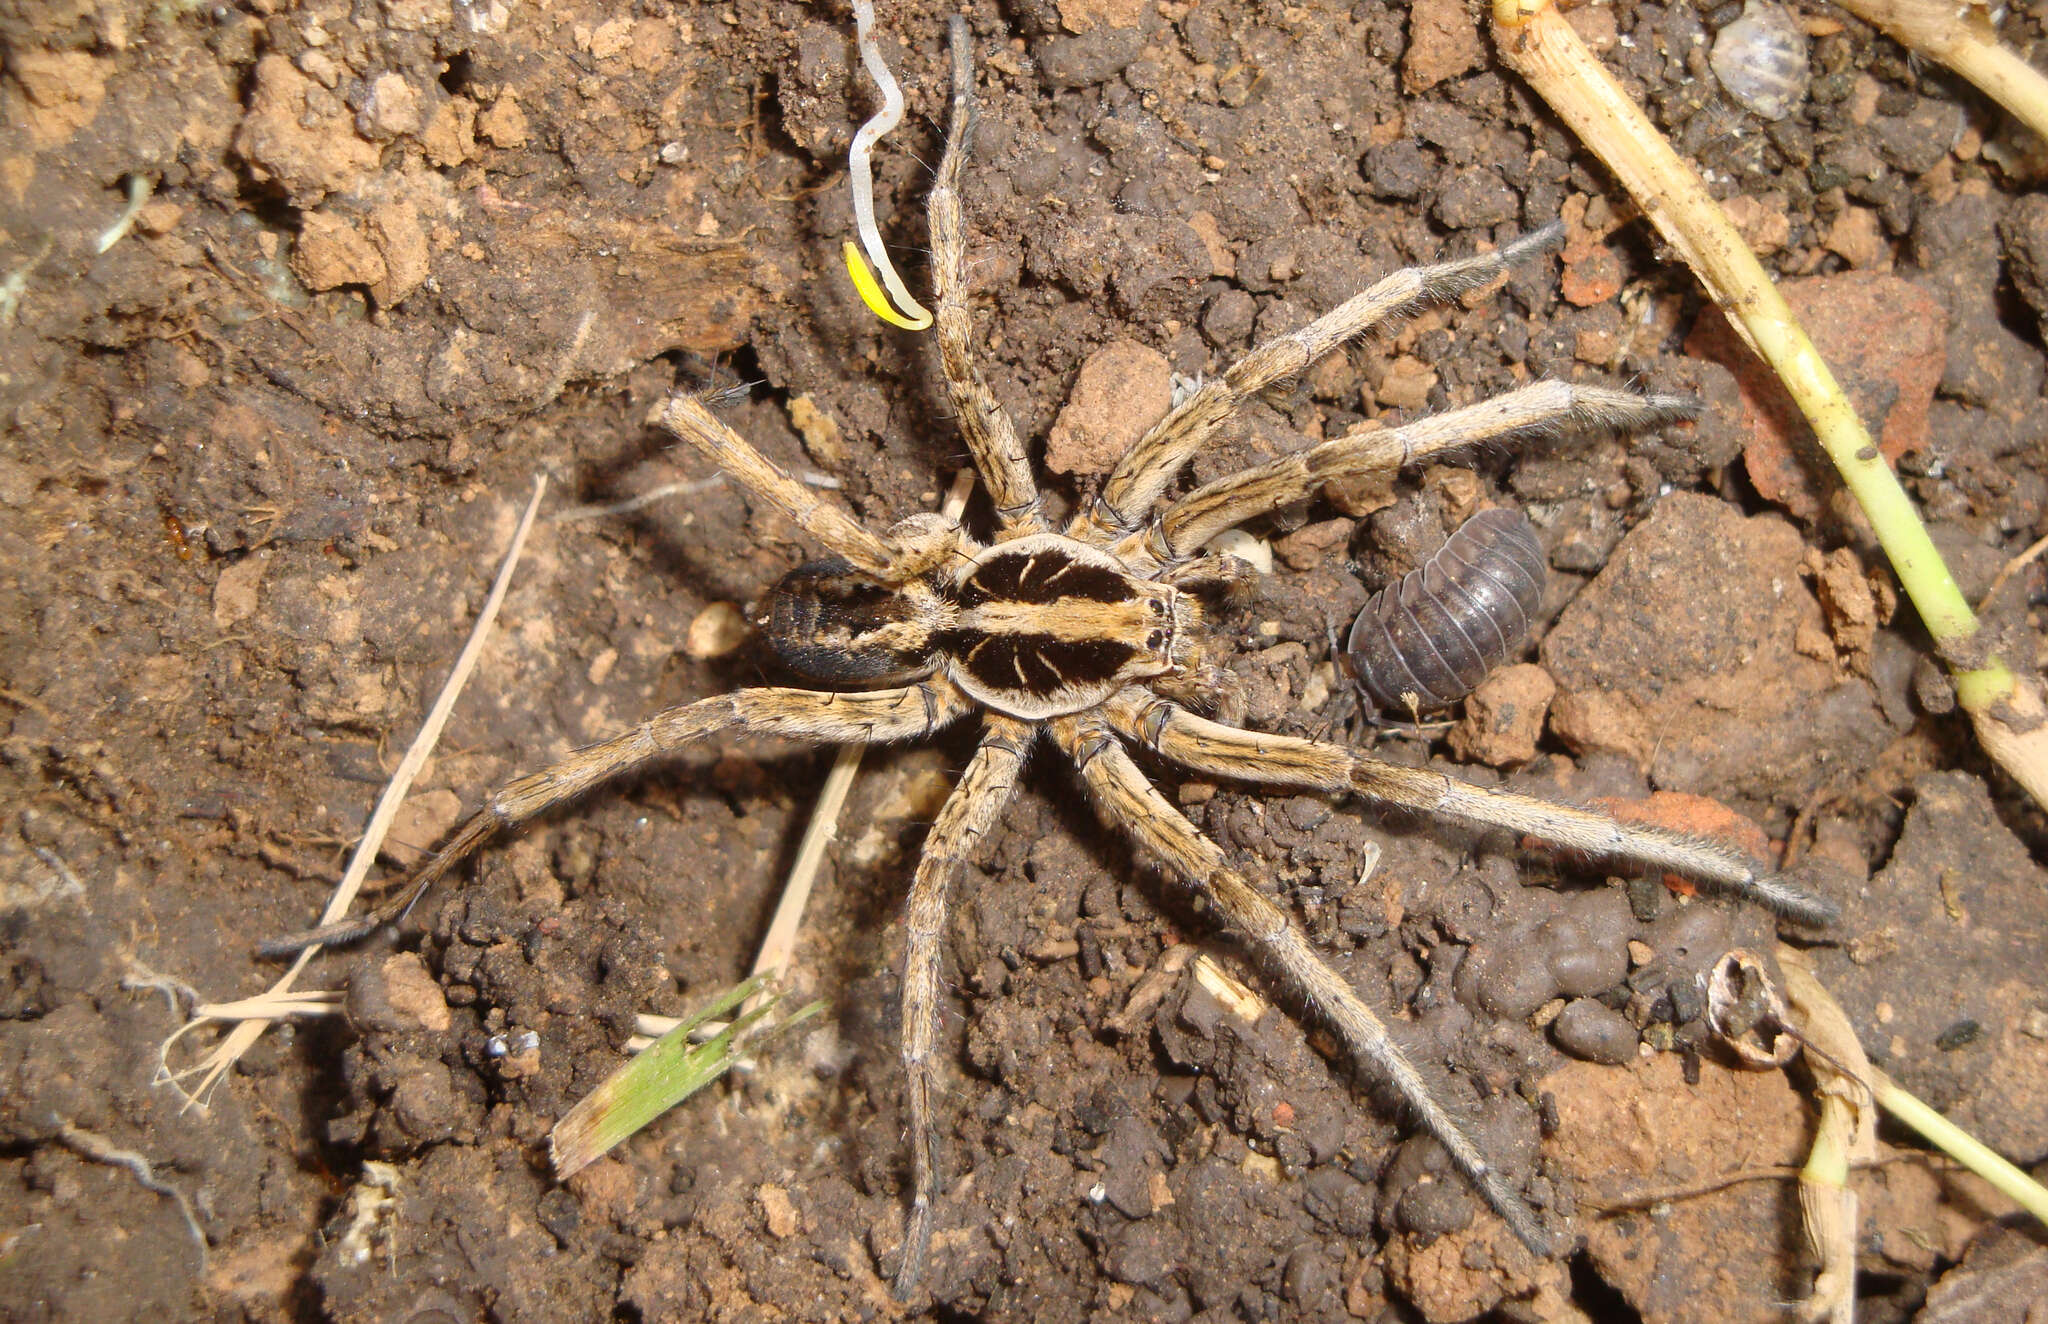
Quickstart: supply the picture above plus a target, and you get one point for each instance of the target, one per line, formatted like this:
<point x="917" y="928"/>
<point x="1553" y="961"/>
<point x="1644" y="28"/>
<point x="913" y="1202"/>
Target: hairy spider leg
<point x="991" y="437"/>
<point x="1213" y="749"/>
<point x="685" y="417"/>
<point x="1151" y="465"/>
<point x="985" y="789"/>
<point x="877" y="717"/>
<point x="1127" y="800"/>
<point x="1188" y="524"/>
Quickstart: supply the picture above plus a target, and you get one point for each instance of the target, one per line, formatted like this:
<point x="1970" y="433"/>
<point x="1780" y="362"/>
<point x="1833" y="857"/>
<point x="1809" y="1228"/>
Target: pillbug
<point x="1761" y="60"/>
<point x="1427" y="640"/>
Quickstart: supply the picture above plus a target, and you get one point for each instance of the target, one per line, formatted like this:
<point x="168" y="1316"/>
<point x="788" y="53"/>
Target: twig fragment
<point x="68" y="882"/>
<point x="179" y="995"/>
<point x="1959" y="34"/>
<point x="1236" y="996"/>
<point x="1961" y="1146"/>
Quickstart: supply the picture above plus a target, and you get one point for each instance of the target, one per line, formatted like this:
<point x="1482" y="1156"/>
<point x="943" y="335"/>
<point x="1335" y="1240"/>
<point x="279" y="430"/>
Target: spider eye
<point x="1156" y="640"/>
<point x="1158" y="607"/>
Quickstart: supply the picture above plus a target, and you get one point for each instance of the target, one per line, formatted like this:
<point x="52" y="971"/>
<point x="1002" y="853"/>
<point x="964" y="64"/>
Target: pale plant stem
<point x="1942" y="30"/>
<point x="1539" y="45"/>
<point x="1814" y="1009"/>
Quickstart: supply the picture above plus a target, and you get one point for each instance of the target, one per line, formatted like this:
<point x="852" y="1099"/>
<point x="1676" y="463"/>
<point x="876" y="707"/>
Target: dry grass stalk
<point x="1846" y="1136"/>
<point x="252" y="1016"/>
<point x="1959" y="34"/>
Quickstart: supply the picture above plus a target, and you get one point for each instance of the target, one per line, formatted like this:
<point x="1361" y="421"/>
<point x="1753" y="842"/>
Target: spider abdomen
<point x="830" y="622"/>
<point x="1047" y="625"/>
<point x="1428" y="640"/>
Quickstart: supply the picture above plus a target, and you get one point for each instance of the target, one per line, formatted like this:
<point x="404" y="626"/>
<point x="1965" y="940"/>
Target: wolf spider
<point x="1088" y="636"/>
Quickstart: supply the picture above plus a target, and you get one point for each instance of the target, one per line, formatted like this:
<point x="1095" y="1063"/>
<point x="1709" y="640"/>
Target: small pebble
<point x="395" y="996"/>
<point x="781" y="1215"/>
<point x="1514" y="979"/>
<point x="1122" y="389"/>
<point x="1504" y="716"/>
<point x="424" y="1106"/>
<point x="1587" y="943"/>
<point x="1594" y="1031"/>
<point x="717" y="630"/>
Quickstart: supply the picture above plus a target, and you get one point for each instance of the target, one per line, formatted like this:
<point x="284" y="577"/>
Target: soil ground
<point x="402" y="256"/>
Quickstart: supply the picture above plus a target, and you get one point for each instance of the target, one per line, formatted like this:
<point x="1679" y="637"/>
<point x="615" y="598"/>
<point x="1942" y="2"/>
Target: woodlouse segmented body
<point x="1427" y="641"/>
<point x="1761" y="59"/>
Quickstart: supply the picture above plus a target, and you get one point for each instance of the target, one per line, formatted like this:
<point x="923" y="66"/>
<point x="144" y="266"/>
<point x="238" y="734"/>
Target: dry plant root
<point x="1846" y="1136"/>
<point x="1537" y="43"/>
<point x="94" y="1146"/>
<point x="1812" y="1007"/>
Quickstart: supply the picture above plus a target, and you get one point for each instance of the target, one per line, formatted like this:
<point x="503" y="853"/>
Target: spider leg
<point x="817" y="715"/>
<point x="1229" y="577"/>
<point x="972" y="809"/>
<point x="1126" y="799"/>
<point x="685" y="416"/>
<point x="1217" y="750"/>
<point x="1151" y="465"/>
<point x="991" y="437"/>
<point x="1185" y="526"/>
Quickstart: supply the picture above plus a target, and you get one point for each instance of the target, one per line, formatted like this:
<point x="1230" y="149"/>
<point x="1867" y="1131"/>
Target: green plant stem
<point x="1539" y="45"/>
<point x="1961" y="1146"/>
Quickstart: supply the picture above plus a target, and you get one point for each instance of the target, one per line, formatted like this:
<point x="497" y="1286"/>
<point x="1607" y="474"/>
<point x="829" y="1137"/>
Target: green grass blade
<point x="671" y="1070"/>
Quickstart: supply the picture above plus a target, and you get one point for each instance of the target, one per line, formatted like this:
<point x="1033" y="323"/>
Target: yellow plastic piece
<point x="870" y="292"/>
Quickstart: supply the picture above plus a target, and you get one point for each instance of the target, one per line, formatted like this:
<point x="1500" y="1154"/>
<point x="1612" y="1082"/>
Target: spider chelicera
<point x="1090" y="639"/>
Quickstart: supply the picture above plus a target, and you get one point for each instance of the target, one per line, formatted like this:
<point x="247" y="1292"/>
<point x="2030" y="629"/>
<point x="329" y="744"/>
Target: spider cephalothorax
<point x="1038" y="627"/>
<point x="1086" y="637"/>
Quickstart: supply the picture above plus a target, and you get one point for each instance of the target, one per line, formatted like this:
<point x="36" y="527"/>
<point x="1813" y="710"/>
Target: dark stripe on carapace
<point x="1039" y="577"/>
<point x="1035" y="664"/>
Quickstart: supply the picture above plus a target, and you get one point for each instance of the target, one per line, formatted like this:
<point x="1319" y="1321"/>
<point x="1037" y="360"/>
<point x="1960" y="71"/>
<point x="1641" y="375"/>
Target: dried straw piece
<point x="251" y="1016"/>
<point x="1536" y="42"/>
